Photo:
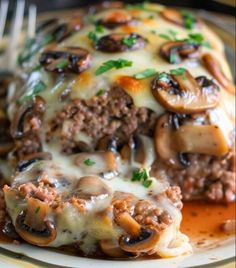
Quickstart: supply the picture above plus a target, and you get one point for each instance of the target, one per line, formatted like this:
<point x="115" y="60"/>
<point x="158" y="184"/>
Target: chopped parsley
<point x="163" y="76"/>
<point x="93" y="35"/>
<point x="170" y="36"/>
<point x="117" y="64"/>
<point x="99" y="29"/>
<point x="179" y="72"/>
<point x="62" y="63"/>
<point x="193" y="38"/>
<point x="142" y="176"/>
<point x="37" y="210"/>
<point x="189" y="19"/>
<point x="36" y="88"/>
<point x="100" y="92"/>
<point x="89" y="162"/>
<point x="129" y="41"/>
<point x="146" y="73"/>
<point x="140" y="6"/>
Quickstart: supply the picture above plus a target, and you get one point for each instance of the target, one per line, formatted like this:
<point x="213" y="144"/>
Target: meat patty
<point x="110" y="114"/>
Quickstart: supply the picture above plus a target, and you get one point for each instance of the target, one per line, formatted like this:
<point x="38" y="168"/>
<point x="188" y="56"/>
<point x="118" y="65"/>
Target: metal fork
<point x="8" y="59"/>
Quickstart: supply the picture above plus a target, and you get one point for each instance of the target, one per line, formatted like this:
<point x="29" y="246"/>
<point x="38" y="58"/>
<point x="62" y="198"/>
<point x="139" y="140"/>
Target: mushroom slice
<point x="164" y="141"/>
<point x="202" y="139"/>
<point x="176" y="51"/>
<point x="107" y="143"/>
<point x="90" y="187"/>
<point x="32" y="226"/>
<point x="100" y="163"/>
<point x="145" y="242"/>
<point x="172" y="144"/>
<point x="63" y="30"/>
<point x="30" y="159"/>
<point x="21" y="126"/>
<point x="115" y="19"/>
<point x="140" y="149"/>
<point x="119" y="42"/>
<point x="215" y="70"/>
<point x="66" y="59"/>
<point x="183" y="94"/>
<point x="183" y="19"/>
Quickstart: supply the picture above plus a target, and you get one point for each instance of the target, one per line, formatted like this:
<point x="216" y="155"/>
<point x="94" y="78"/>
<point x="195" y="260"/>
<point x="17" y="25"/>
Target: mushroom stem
<point x="129" y="224"/>
<point x="200" y="139"/>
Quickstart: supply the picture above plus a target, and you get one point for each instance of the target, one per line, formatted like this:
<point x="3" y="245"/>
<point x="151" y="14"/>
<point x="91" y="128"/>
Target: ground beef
<point x="207" y="178"/>
<point x="27" y="145"/>
<point x="111" y="113"/>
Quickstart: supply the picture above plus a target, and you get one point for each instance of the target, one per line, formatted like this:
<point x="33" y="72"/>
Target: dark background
<point x="217" y="6"/>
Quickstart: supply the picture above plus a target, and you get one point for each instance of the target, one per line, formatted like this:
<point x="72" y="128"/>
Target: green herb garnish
<point x="142" y="176"/>
<point x="37" y="87"/>
<point x="129" y="41"/>
<point x="62" y="63"/>
<point x="147" y="183"/>
<point x="179" y="72"/>
<point x="140" y="6"/>
<point x="189" y="19"/>
<point x="93" y="37"/>
<point x="37" y="210"/>
<point x="163" y="76"/>
<point x="165" y="36"/>
<point x="100" y="92"/>
<point x="89" y="162"/>
<point x="146" y="73"/>
<point x="117" y="64"/>
<point x="99" y="28"/>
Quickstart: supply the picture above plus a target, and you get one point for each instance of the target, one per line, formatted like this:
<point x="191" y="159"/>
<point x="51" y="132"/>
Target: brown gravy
<point x="203" y="220"/>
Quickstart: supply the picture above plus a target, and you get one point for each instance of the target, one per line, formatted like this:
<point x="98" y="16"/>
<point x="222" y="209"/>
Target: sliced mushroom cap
<point x="30" y="159"/>
<point x="20" y="126"/>
<point x="115" y="19"/>
<point x="176" y="51"/>
<point x="92" y="187"/>
<point x="32" y="225"/>
<point x="183" y="94"/>
<point x="179" y="18"/>
<point x="145" y="242"/>
<point x="63" y="30"/>
<point x="171" y="143"/>
<point x="215" y="70"/>
<point x="100" y="163"/>
<point x="119" y="42"/>
<point x="67" y="59"/>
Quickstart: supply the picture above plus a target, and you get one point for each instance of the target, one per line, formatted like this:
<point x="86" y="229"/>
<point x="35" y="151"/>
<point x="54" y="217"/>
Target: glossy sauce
<point x="203" y="220"/>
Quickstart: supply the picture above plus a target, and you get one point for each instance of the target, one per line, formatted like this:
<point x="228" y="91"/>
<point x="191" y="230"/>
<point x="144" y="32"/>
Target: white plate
<point x="215" y="252"/>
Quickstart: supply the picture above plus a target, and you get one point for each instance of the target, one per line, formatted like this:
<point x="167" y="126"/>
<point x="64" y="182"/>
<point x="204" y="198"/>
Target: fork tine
<point x="15" y="35"/>
<point x="32" y="21"/>
<point x="3" y="16"/>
